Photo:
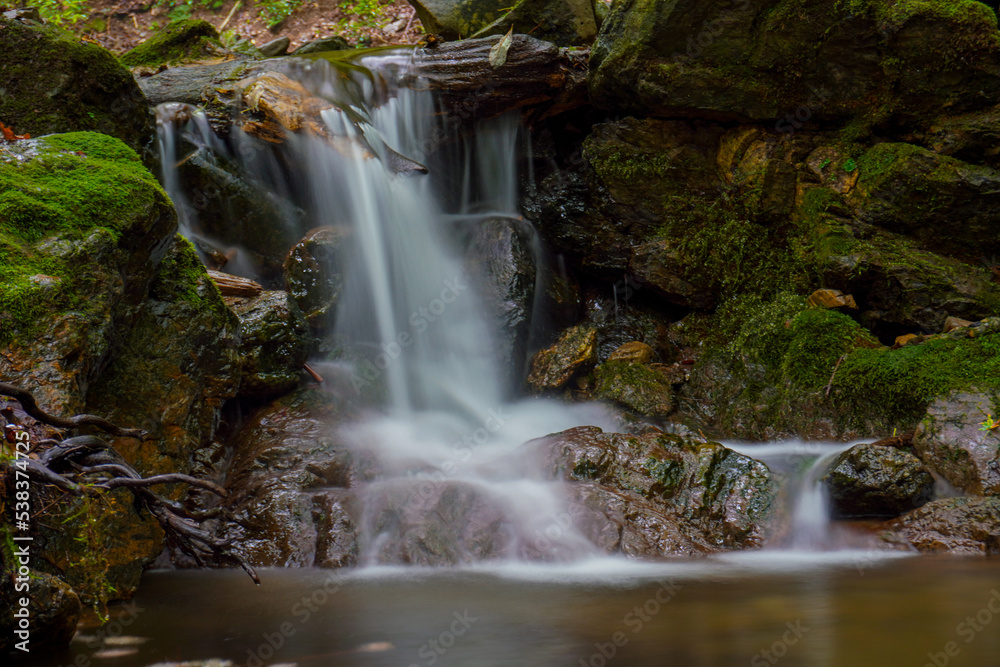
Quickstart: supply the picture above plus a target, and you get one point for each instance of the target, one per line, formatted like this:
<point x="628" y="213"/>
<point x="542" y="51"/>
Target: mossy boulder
<point x="953" y="441"/>
<point x="84" y="226"/>
<point x="643" y="389"/>
<point x="663" y="494"/>
<point x="946" y="204"/>
<point x="274" y="343"/>
<point x="795" y="59"/>
<point x="187" y="41"/>
<point x="960" y="526"/>
<point x="54" y="82"/>
<point x="564" y="22"/>
<point x="876" y="481"/>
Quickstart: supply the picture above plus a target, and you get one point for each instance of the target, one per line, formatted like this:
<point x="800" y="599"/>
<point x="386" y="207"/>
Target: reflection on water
<point x="844" y="608"/>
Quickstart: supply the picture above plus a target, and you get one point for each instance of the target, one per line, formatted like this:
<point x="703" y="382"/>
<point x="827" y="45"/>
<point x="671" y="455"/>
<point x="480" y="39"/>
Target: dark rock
<point x="794" y="61"/>
<point x="53" y="612"/>
<point x="274" y="343"/>
<point x="574" y="352"/>
<point x="53" y="82"/>
<point x="973" y="137"/>
<point x="666" y="494"/>
<point x="501" y="257"/>
<point x="279" y="484"/>
<point x="276" y="47"/>
<point x="951" y="441"/>
<point x="871" y="481"/>
<point x="334" y="43"/>
<point x="961" y="526"/>
<point x="657" y="265"/>
<point x="314" y="274"/>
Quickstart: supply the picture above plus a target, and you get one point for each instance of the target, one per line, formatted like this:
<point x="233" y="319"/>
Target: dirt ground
<point x="121" y="24"/>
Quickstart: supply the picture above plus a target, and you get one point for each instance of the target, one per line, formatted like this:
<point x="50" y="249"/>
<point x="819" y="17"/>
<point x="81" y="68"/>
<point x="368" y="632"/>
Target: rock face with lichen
<point x="962" y="526"/>
<point x="82" y="87"/>
<point x="953" y="440"/>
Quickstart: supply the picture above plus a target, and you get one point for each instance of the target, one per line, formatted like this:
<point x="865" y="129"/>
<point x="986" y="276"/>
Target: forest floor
<point x="119" y="25"/>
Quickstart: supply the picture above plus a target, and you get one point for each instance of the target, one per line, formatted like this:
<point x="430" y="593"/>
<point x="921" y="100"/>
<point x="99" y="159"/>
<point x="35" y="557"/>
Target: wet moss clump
<point x="181" y="41"/>
<point x="62" y="199"/>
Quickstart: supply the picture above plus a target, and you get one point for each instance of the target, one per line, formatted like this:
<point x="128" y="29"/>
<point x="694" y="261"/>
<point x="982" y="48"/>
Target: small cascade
<point x="809" y="527"/>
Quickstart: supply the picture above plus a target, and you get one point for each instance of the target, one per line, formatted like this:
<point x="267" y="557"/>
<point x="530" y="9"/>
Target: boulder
<point x="334" y="43"/>
<point x="663" y="494"/>
<point x="951" y="440"/>
<point x="501" y="259"/>
<point x="973" y="137"/>
<point x="314" y="274"/>
<point x="645" y="390"/>
<point x="795" y="61"/>
<point x="85" y="226"/>
<point x="54" y="82"/>
<point x="274" y="343"/>
<point x="874" y="481"/>
<point x="960" y="526"/>
<point x="658" y="265"/>
<point x="179" y="42"/>
<point x="573" y="353"/>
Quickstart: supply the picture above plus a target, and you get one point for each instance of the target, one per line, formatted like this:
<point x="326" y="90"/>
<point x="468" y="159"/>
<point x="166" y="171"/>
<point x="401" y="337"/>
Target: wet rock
<point x="279" y="484"/>
<point x="274" y="343"/>
<point x="911" y="190"/>
<point x="951" y="441"/>
<point x="53" y="82"/>
<point x="186" y="41"/>
<point x="177" y="366"/>
<point x="788" y="61"/>
<point x="336" y="531"/>
<point x="656" y="264"/>
<point x="314" y="274"/>
<point x="874" y="481"/>
<point x="643" y="389"/>
<point x="53" y="612"/>
<point x="564" y="22"/>
<point x="666" y="494"/>
<point x="501" y="257"/>
<point x="81" y="210"/>
<point x="961" y="526"/>
<point x="334" y="43"/>
<point x="229" y="209"/>
<point x="574" y="352"/>
<point x="634" y="351"/>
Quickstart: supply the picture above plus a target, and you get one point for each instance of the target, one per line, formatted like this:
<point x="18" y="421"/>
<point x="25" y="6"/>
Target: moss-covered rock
<point x="187" y="41"/>
<point x="664" y="494"/>
<point x="274" y="343"/>
<point x="946" y="204"/>
<point x="789" y="60"/>
<point x="953" y="441"/>
<point x="875" y="481"/>
<point x="54" y="82"/>
<point x="573" y="353"/>
<point x="84" y="225"/>
<point x="638" y="387"/>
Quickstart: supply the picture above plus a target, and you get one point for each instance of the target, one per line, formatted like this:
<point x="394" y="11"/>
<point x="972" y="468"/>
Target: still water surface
<point x="843" y="608"/>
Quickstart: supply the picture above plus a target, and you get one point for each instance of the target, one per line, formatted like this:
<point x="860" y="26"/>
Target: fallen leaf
<point x="498" y="54"/>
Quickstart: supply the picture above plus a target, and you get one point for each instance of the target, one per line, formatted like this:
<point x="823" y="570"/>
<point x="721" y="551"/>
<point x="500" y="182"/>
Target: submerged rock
<point x="960" y="526"/>
<point x="664" y="495"/>
<point x="951" y="439"/>
<point x="274" y="343"/>
<point x="875" y="481"/>
<point x="54" y="82"/>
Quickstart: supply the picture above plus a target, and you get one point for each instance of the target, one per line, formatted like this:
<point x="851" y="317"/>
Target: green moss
<point x="668" y="476"/>
<point x="182" y="277"/>
<point x="180" y="41"/>
<point x="67" y="188"/>
<point x="636" y="386"/>
<point x="819" y="338"/>
<point x="900" y="383"/>
<point x="626" y="165"/>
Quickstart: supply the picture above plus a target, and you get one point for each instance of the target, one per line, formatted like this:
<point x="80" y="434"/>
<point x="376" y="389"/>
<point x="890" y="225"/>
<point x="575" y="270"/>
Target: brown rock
<point x="952" y="323"/>
<point x="553" y="367"/>
<point x="636" y="351"/>
<point x="831" y="298"/>
<point x="905" y="340"/>
<point x="964" y="526"/>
